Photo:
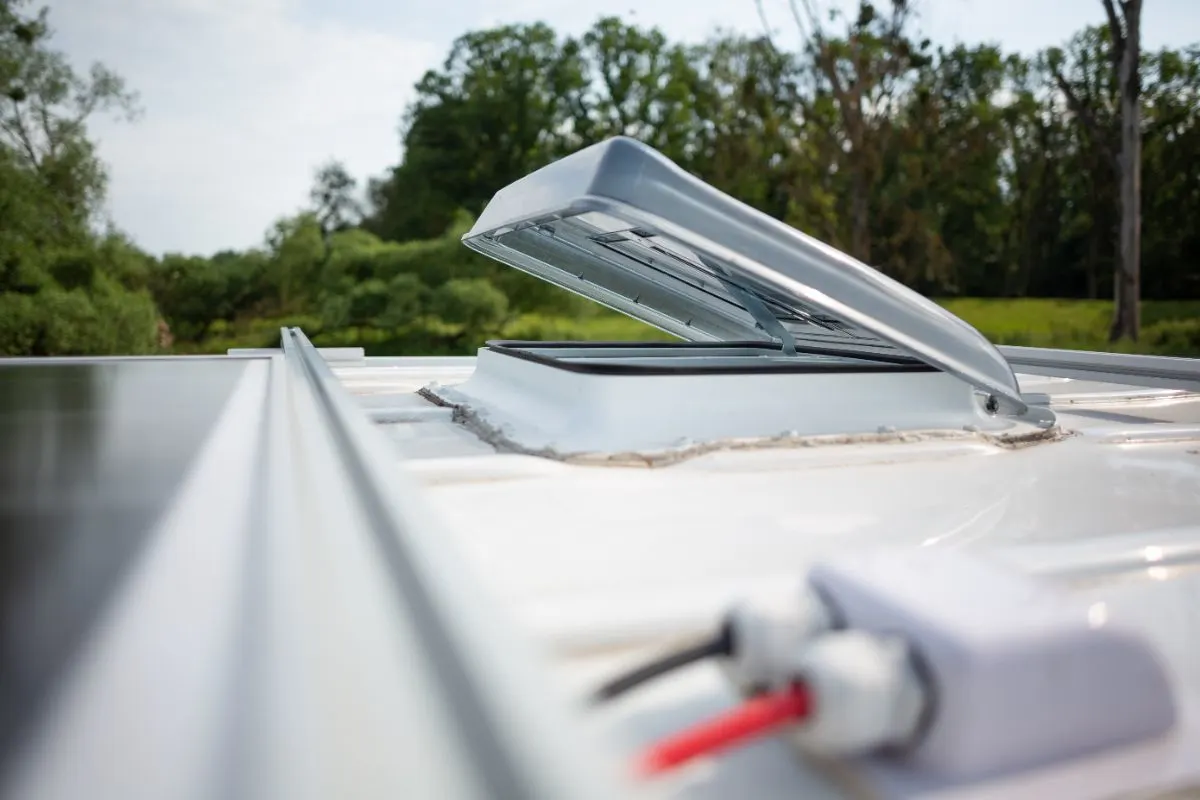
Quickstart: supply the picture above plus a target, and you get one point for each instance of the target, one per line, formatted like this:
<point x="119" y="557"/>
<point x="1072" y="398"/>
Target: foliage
<point x="337" y="208"/>
<point x="961" y="170"/>
<point x="474" y="304"/>
<point x="1172" y="328"/>
<point x="63" y="288"/>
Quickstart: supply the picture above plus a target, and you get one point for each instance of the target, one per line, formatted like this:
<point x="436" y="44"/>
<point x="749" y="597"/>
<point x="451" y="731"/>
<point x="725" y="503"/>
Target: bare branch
<point x="828" y="65"/>
<point x="1080" y="110"/>
<point x="796" y="16"/>
<point x="1084" y="112"/>
<point x="48" y="130"/>
<point x="893" y="65"/>
<point x="18" y="130"/>
<point x="810" y="29"/>
<point x="762" y="17"/>
<point x="812" y="13"/>
<point x="14" y="135"/>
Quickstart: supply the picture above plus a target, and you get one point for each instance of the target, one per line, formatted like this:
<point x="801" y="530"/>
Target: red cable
<point x="752" y="719"/>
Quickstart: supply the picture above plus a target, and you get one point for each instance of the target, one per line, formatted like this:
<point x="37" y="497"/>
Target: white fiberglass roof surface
<point x="599" y="561"/>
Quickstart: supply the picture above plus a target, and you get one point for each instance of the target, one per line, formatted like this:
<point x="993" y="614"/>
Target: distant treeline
<point x="961" y="171"/>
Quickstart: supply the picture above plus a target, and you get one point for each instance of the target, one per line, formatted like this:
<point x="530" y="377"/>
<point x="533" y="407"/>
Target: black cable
<point x="719" y="645"/>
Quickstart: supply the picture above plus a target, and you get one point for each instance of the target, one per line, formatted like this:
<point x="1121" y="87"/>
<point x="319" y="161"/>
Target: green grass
<point x="1168" y="328"/>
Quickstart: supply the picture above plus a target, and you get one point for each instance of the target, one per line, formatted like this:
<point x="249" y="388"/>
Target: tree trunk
<point x="1093" y="280"/>
<point x="1127" y="281"/>
<point x="860" y="215"/>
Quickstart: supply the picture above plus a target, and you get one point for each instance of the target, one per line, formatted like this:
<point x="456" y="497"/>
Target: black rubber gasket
<point x="872" y="363"/>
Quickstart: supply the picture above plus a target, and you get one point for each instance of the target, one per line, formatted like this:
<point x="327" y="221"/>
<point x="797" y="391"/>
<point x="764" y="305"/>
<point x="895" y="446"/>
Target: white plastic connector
<point x="768" y="632"/>
<point x="866" y="694"/>
<point x="1021" y="674"/>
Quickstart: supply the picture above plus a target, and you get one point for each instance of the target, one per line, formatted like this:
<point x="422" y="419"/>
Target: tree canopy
<point x="960" y="169"/>
<point x="63" y="287"/>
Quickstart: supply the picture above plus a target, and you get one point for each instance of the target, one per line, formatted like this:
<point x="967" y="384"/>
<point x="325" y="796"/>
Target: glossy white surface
<point x="599" y="562"/>
<point x="541" y="407"/>
<point x="1018" y="663"/>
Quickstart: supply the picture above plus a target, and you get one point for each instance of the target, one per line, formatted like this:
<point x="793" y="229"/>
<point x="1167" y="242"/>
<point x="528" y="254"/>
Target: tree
<point x="475" y="305"/>
<point x="960" y="171"/>
<point x="193" y="293"/>
<point x="1041" y="175"/>
<point x="1127" y="48"/>
<point x="750" y="112"/>
<point x="333" y="198"/>
<point x="859" y="75"/>
<point x="297" y="252"/>
<point x="942" y="221"/>
<point x="635" y="83"/>
<point x="406" y="300"/>
<point x="1124" y="78"/>
<point x="1171" y="124"/>
<point x="64" y="288"/>
<point x="492" y="113"/>
<point x="44" y="108"/>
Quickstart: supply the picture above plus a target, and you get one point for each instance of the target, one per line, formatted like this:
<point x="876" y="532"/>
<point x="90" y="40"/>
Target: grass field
<point x="1168" y="328"/>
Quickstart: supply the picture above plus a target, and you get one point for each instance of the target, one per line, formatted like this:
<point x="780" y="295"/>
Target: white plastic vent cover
<point x="622" y="225"/>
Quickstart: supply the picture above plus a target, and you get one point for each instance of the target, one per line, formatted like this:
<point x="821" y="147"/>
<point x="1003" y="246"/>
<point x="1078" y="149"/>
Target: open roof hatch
<point x="621" y="224"/>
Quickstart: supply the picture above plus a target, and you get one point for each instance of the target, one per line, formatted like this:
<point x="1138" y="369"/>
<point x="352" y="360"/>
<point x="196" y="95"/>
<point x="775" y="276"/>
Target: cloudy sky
<point x="244" y="98"/>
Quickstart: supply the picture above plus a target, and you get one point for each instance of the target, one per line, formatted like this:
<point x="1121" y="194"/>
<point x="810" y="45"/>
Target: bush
<point x="20" y="325"/>
<point x="335" y="312"/>
<point x="407" y="298"/>
<point x="606" y="326"/>
<point x="368" y="301"/>
<point x="1177" y="337"/>
<point x="472" y="303"/>
<point x="129" y="321"/>
<point x="113" y="320"/>
<point x="75" y="269"/>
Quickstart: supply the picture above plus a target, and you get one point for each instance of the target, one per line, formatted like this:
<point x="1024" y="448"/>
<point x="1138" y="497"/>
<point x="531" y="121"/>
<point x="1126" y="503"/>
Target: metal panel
<point x="90" y="454"/>
<point x="1162" y="372"/>
<point x="272" y="614"/>
<point x="518" y="744"/>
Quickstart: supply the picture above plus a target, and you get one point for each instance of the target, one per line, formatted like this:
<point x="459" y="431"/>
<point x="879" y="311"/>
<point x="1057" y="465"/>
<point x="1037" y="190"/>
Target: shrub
<point x="1176" y="337"/>
<point x="473" y="303"/>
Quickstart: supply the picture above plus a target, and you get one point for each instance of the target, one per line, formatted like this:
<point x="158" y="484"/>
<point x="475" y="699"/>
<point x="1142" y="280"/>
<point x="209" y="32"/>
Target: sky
<point x="243" y="99"/>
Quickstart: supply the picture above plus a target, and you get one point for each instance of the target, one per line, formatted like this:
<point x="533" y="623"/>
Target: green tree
<point x="477" y="306"/>
<point x="633" y="82"/>
<point x="333" y="199"/>
<point x="1171" y="113"/>
<point x="407" y="298"/>
<point x="942" y="221"/>
<point x="192" y="293"/>
<point x="751" y="112"/>
<point x="487" y="117"/>
<point x="63" y="288"/>
<point x="297" y="253"/>
<point x="44" y="108"/>
<point x="857" y="76"/>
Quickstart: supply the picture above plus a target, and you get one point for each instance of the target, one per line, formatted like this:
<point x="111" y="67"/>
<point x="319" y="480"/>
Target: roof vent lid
<point x="621" y="224"/>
